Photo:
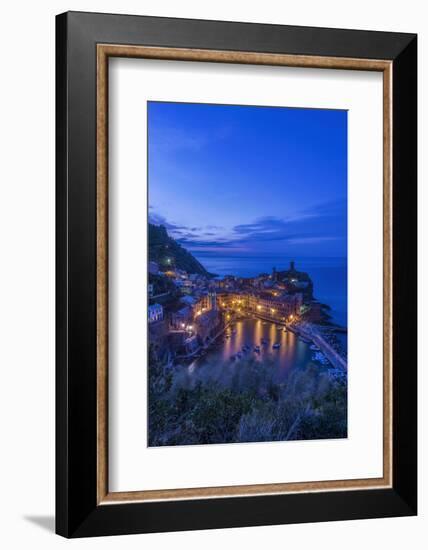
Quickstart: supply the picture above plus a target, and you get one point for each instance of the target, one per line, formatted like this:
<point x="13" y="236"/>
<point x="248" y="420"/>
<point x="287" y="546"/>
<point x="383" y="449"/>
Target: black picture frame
<point x="77" y="511"/>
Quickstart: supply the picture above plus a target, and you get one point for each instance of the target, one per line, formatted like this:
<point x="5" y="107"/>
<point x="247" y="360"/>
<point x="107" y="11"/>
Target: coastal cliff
<point x="167" y="252"/>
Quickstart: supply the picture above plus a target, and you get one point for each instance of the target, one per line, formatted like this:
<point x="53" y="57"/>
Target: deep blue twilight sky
<point x="249" y="180"/>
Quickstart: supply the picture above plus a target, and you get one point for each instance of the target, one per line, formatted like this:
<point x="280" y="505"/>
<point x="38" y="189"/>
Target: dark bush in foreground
<point x="241" y="402"/>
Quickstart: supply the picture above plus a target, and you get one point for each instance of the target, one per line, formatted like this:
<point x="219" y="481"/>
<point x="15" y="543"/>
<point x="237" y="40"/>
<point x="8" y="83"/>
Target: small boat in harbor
<point x="256" y="349"/>
<point x="320" y="357"/>
<point x="263" y="341"/>
<point x="277" y="345"/>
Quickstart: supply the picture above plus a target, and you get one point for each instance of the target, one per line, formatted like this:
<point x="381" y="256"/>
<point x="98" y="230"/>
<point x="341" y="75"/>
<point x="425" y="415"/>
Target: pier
<point x="313" y="335"/>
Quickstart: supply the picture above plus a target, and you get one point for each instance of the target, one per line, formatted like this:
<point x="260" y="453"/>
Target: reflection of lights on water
<point x="250" y="332"/>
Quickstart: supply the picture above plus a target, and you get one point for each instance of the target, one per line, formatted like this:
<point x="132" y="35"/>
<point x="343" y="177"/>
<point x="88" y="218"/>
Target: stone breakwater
<point x="310" y="332"/>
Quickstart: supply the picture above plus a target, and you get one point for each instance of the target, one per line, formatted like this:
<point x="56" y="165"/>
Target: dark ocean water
<point x="329" y="275"/>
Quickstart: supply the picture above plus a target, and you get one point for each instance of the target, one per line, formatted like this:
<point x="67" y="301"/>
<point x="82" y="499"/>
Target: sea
<point x="329" y="275"/>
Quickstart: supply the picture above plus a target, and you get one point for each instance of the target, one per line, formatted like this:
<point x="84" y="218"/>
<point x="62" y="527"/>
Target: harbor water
<point x="248" y="333"/>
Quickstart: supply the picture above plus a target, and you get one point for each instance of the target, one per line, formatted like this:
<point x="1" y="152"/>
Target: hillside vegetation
<point x="242" y="402"/>
<point x="168" y="253"/>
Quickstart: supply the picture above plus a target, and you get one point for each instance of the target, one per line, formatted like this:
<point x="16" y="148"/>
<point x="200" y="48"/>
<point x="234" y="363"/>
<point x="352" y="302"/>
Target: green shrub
<point x="242" y="402"/>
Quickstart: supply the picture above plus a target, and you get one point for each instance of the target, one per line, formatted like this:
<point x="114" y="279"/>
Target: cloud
<point x="265" y="226"/>
<point x="207" y="243"/>
<point x="336" y="207"/>
<point x="167" y="139"/>
<point x="177" y="128"/>
<point x="157" y="219"/>
<point x="182" y="233"/>
<point x="318" y="224"/>
<point x="171" y="140"/>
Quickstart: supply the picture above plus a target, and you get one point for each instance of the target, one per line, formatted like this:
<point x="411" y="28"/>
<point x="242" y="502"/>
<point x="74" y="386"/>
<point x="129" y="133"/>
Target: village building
<point x="276" y="307"/>
<point x="155" y="313"/>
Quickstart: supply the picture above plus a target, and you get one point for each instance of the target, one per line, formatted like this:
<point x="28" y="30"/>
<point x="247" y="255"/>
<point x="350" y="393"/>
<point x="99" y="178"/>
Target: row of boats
<point x="316" y="356"/>
<point x="256" y="349"/>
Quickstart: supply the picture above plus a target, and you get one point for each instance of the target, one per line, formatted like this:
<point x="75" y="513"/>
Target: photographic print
<point x="247" y="274"/>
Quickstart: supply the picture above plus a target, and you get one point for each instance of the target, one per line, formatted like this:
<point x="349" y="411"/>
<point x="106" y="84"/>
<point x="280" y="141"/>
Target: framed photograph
<point x="236" y="274"/>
